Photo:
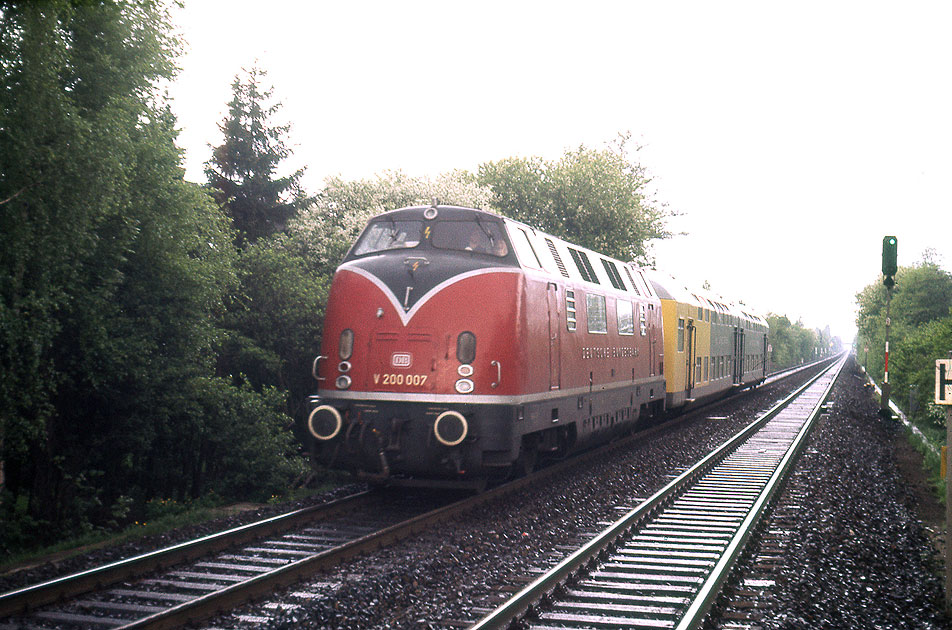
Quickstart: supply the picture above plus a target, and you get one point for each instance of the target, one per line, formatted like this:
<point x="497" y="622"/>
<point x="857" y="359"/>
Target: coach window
<point x="570" y="321"/>
<point x="626" y="317"/>
<point x="680" y="335"/>
<point x="597" y="313"/>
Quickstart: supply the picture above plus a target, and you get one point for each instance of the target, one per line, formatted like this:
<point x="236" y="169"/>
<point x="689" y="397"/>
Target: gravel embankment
<point x="855" y="553"/>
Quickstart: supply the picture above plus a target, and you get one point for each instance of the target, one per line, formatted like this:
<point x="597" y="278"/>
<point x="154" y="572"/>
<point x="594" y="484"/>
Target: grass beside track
<point x="168" y="516"/>
<point x="931" y="463"/>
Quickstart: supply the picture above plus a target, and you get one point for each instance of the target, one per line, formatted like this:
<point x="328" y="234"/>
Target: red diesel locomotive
<point x="462" y="346"/>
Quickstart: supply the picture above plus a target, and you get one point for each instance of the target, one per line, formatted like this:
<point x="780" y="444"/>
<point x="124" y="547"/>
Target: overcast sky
<point x="791" y="136"/>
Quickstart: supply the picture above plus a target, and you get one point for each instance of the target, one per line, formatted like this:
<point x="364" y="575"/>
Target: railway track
<point x="199" y="579"/>
<point x="662" y="564"/>
<point x="194" y="580"/>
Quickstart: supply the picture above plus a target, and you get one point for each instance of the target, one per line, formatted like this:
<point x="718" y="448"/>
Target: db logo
<point x="401" y="359"/>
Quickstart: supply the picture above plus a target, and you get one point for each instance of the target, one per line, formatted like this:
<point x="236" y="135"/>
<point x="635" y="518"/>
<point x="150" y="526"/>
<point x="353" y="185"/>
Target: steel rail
<point x="780" y="375"/>
<point x="710" y="590"/>
<point x="60" y="589"/>
<point x="544" y="589"/>
<point x="37" y="595"/>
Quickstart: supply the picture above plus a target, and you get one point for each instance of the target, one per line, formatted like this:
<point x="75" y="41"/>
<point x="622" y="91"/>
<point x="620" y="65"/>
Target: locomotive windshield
<point x="385" y="235"/>
<point x="481" y="237"/>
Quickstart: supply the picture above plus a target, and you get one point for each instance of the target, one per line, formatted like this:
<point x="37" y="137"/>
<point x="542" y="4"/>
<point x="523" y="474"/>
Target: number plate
<point x="400" y="380"/>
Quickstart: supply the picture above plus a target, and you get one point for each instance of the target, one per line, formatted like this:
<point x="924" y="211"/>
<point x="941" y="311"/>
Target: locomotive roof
<point x="444" y="212"/>
<point x="669" y="288"/>
<point x="554" y="255"/>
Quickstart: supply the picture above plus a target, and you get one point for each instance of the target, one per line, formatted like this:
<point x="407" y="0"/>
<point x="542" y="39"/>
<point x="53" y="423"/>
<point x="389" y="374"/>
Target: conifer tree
<point x="242" y="172"/>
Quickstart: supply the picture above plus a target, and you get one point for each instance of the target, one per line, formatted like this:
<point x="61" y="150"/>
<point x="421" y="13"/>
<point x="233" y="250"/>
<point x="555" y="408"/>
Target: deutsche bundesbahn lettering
<point x="609" y="353"/>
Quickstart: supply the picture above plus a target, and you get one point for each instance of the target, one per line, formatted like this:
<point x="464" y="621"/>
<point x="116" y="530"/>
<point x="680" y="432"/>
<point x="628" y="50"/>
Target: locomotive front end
<point x="420" y="354"/>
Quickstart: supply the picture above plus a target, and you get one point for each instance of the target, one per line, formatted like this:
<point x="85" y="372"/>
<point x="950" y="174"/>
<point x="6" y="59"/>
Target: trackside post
<point x="943" y="396"/>
<point x="889" y="270"/>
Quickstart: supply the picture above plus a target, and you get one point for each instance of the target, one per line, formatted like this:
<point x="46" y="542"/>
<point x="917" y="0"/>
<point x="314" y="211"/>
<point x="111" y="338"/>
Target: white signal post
<point x="890" y="269"/>
<point x="943" y="396"/>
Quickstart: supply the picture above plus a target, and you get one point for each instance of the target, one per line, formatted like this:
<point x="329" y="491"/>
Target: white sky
<point x="792" y="136"/>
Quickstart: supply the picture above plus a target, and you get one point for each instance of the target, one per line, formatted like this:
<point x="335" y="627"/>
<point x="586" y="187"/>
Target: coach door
<point x="738" y="355"/>
<point x="691" y="357"/>
<point x="555" y="337"/>
<point x="652" y="350"/>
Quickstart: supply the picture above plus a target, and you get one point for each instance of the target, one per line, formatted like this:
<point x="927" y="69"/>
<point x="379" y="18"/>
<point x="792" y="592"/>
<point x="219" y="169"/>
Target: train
<point x="461" y="346"/>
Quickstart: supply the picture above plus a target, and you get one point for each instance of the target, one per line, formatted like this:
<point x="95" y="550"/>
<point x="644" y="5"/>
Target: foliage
<point x="275" y="319"/>
<point x="243" y="446"/>
<point x="792" y="344"/>
<point x="920" y="331"/>
<point x="242" y="172"/>
<point x="923" y="293"/>
<point x="598" y="199"/>
<point x="912" y="366"/>
<point x="113" y="277"/>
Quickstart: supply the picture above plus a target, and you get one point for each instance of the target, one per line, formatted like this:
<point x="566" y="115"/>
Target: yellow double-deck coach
<point x="711" y="346"/>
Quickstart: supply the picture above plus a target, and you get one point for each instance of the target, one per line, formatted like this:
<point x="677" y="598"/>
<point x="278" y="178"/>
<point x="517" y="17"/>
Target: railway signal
<point x="889" y="270"/>
<point x="889" y="261"/>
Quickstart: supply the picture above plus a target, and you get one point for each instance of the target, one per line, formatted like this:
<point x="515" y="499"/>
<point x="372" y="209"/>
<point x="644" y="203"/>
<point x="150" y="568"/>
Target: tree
<point x="242" y="172"/>
<point x="923" y="294"/>
<point x="113" y="274"/>
<point x="921" y="328"/>
<point x="791" y="343"/>
<point x="598" y="199"/>
<point x="914" y="360"/>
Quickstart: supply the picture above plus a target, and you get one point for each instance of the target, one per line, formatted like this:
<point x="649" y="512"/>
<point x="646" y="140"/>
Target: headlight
<point x="324" y="423"/>
<point x="346" y="346"/>
<point x="343" y="381"/>
<point x="466" y="347"/>
<point x="450" y="428"/>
